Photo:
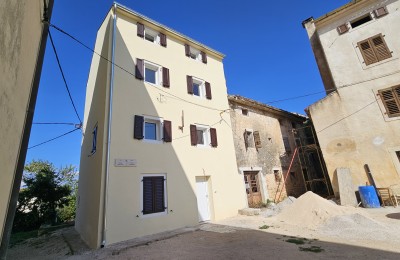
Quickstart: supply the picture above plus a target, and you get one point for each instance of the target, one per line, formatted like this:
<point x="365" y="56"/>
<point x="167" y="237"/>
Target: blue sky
<point x="268" y="56"/>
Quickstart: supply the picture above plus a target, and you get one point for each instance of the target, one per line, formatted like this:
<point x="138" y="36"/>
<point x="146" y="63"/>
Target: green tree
<point x="46" y="189"/>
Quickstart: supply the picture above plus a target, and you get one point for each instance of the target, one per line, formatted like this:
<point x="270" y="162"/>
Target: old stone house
<point x="357" y="49"/>
<point x="265" y="146"/>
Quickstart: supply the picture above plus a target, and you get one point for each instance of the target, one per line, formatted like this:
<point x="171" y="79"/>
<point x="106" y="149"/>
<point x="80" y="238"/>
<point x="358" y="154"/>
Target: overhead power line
<point x="63" y="76"/>
<point x="41" y="123"/>
<point x="52" y="139"/>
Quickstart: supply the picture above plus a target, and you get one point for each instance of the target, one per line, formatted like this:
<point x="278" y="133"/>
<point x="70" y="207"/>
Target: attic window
<point x="380" y="12"/>
<point x="245" y="112"/>
<point x="361" y="21"/>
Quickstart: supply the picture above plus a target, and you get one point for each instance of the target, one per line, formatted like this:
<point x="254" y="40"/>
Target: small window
<point x="151" y="73"/>
<point x="154" y="197"/>
<point x="153" y="129"/>
<point x="374" y="49"/>
<point x="293" y="125"/>
<point x="245" y="112"/>
<point x="94" y="140"/>
<point x="381" y="11"/>
<point x="151" y="35"/>
<point x="195" y="54"/>
<point x="398" y="155"/>
<point x="248" y="139"/>
<point x="201" y="135"/>
<point x="198" y="87"/>
<point x="360" y="21"/>
<point x="391" y="100"/>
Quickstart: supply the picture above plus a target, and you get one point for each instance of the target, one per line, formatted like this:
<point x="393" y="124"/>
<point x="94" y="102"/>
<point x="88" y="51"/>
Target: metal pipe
<point x="105" y="197"/>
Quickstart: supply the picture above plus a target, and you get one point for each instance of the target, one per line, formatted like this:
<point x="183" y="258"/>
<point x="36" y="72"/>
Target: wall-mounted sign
<point x="125" y="163"/>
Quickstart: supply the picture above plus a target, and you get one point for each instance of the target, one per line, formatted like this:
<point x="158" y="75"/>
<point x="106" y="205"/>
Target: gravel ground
<point x="357" y="234"/>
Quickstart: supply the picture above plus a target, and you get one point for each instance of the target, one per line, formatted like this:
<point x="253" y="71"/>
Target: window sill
<point x="159" y="214"/>
<point x="150" y="141"/>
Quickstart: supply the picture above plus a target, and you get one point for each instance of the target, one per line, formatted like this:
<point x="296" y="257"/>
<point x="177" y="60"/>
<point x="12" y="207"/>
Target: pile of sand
<point x="311" y="210"/>
<point x="274" y="209"/>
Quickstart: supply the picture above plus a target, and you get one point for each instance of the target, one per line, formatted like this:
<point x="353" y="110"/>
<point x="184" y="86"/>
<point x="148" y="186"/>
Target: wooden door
<point x="252" y="188"/>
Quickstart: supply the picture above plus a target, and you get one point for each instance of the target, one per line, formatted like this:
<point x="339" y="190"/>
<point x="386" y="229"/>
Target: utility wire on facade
<point x="269" y="102"/>
<point x="63" y="76"/>
<point x="52" y="139"/>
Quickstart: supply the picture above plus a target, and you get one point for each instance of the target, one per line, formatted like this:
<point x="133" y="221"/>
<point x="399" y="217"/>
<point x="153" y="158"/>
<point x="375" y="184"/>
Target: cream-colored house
<point x="22" y="42"/>
<point x="357" y="49"/>
<point x="157" y="152"/>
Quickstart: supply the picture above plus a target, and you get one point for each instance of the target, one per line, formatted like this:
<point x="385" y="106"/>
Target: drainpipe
<point x="110" y="102"/>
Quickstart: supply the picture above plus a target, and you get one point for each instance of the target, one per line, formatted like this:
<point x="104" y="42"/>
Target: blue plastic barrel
<point x="369" y="198"/>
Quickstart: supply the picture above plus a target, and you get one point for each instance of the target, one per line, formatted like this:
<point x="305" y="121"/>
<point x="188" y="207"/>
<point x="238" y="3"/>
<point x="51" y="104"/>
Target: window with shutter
<point x="94" y="140"/>
<point x="201" y="135"/>
<point x="208" y="90"/>
<point x="257" y="139"/>
<point x="140" y="30"/>
<point x="163" y="40"/>
<point x="139" y="72"/>
<point x="248" y="139"/>
<point x="342" y="28"/>
<point x="213" y="134"/>
<point x="153" y="194"/>
<point x="391" y="100"/>
<point x="374" y="49"/>
<point x="204" y="57"/>
<point x="165" y="76"/>
<point x="138" y="127"/>
<point x="167" y="129"/>
<point x="382" y="11"/>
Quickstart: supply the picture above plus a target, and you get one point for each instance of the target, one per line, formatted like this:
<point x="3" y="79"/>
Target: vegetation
<point x="314" y="249"/>
<point x="47" y="196"/>
<point x="264" y="227"/>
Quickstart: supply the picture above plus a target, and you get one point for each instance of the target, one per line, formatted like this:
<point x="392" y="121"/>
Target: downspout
<point x="110" y="102"/>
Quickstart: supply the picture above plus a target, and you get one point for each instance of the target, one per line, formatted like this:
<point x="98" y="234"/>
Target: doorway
<point x="203" y="201"/>
<point x="251" y="180"/>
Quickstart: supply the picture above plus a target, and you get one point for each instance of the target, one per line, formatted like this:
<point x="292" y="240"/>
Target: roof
<point x="166" y="28"/>
<point x="247" y="102"/>
<point x="338" y="10"/>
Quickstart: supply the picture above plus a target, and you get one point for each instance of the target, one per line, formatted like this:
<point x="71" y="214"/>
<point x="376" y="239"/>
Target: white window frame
<point x="202" y="87"/>
<point x="165" y="212"/>
<point x="195" y="54"/>
<point x="206" y="135"/>
<point x="158" y="72"/>
<point x="154" y="34"/>
<point x="159" y="128"/>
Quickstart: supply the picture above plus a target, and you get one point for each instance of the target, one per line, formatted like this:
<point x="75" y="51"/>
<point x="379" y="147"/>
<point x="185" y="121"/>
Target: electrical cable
<point x="40" y="123"/>
<point x="52" y="139"/>
<point x="63" y="76"/>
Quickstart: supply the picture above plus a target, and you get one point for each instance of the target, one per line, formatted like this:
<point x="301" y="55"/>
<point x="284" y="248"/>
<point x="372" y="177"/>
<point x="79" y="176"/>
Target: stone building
<point x="155" y="155"/>
<point x="265" y="146"/>
<point x="357" y="49"/>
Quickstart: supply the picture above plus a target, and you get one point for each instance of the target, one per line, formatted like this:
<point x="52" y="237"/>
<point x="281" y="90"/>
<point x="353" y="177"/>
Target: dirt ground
<point x="239" y="237"/>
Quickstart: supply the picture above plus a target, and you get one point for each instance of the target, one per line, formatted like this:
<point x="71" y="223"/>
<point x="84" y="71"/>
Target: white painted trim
<point x="159" y="129"/>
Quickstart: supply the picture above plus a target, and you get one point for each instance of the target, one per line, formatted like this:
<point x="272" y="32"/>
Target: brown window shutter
<point x="342" y="28"/>
<point x="163" y="40"/>
<point x="187" y="50"/>
<point x="380" y="12"/>
<point x="140" y="30"/>
<point x="367" y="52"/>
<point x="159" y="201"/>
<point x="153" y="195"/>
<point x="213" y="134"/>
<point x="204" y="57"/>
<point x="193" y="135"/>
<point x="138" y="127"/>
<point x="165" y="77"/>
<point x="381" y="50"/>
<point x="391" y="100"/>
<point x="167" y="129"/>
<point x="189" y="80"/>
<point x="139" y="69"/>
<point x="208" y="90"/>
<point x="257" y="139"/>
<point x="287" y="144"/>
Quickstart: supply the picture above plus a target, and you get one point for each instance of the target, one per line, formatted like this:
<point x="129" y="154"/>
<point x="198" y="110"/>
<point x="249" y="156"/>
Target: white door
<point x="202" y="199"/>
